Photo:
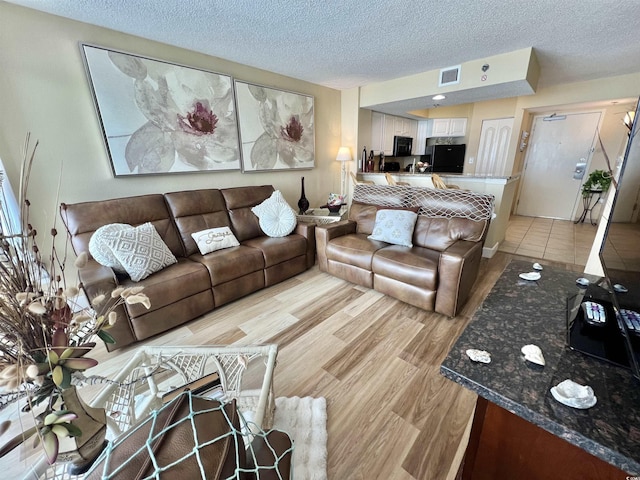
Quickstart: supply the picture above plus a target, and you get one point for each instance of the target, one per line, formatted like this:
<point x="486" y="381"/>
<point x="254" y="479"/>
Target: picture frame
<point x="159" y="117"/>
<point x="277" y="128"/>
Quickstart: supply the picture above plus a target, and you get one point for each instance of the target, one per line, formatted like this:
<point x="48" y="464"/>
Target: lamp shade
<point x="344" y="154"/>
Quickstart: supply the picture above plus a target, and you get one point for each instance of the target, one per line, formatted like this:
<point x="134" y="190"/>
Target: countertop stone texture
<point x="518" y="312"/>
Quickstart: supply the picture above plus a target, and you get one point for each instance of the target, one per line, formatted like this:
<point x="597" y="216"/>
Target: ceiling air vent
<point x="449" y="76"/>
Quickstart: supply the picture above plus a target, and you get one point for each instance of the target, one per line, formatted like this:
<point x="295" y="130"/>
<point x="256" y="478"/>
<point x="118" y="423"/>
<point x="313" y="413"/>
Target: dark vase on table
<point x="303" y="203"/>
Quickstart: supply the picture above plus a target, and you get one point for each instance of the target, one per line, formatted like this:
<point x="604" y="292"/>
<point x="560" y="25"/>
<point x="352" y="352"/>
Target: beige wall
<point x="44" y="90"/>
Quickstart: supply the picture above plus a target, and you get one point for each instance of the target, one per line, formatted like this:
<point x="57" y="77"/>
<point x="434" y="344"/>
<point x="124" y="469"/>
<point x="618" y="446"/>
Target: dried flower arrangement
<point x="45" y="331"/>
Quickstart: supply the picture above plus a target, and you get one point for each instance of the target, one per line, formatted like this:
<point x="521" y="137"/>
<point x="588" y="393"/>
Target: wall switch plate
<point x="471" y="160"/>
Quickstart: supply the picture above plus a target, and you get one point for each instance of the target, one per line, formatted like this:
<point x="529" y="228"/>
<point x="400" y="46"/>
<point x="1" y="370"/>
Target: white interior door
<point x="559" y="146"/>
<point x="494" y="146"/>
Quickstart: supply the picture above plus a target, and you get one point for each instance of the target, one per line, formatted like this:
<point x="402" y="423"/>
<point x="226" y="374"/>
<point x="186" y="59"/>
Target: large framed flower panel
<point x="158" y="117"/>
<point x="276" y="128"/>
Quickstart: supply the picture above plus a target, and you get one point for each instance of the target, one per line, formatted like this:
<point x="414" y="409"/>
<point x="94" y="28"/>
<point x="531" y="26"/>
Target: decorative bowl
<point x="333" y="208"/>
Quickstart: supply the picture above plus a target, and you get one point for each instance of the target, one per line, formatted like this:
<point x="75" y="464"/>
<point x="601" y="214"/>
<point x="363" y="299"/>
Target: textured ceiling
<point x="349" y="43"/>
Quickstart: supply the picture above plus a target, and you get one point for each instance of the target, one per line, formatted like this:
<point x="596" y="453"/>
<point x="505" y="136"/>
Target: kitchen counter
<point x="519" y="312"/>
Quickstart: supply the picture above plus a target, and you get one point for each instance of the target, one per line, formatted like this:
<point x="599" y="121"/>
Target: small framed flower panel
<point x="276" y="128"/>
<point x="158" y="117"/>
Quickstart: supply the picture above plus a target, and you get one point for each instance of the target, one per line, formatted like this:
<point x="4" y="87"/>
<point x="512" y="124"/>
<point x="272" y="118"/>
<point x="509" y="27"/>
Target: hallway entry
<point x="557" y="158"/>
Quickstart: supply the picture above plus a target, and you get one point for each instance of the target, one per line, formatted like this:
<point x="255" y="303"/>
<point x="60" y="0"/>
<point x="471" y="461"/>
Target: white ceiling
<point x="350" y="43"/>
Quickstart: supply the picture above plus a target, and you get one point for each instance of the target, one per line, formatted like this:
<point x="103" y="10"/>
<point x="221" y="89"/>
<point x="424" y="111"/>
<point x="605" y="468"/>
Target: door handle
<point x="580" y="169"/>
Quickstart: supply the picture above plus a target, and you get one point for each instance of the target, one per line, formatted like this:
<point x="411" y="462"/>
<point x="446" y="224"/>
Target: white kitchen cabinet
<point x="385" y="127"/>
<point x="387" y="135"/>
<point x="448" y="127"/>
<point x="377" y="131"/>
<point x="424" y="130"/>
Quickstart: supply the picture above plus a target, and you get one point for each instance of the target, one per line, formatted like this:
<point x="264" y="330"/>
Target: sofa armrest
<point x="457" y="272"/>
<point x="96" y="280"/>
<point x="308" y="231"/>
<point x="326" y="232"/>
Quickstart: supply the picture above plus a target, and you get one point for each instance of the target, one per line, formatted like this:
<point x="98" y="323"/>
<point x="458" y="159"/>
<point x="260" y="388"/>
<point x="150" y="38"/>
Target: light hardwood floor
<point x="376" y="360"/>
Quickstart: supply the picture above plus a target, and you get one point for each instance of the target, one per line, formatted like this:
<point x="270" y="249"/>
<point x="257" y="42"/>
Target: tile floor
<point x="549" y="239"/>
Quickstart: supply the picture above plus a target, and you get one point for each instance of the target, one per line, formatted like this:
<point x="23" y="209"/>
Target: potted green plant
<point x="597" y="181"/>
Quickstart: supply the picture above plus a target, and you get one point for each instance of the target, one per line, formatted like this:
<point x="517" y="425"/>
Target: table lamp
<point x="344" y="155"/>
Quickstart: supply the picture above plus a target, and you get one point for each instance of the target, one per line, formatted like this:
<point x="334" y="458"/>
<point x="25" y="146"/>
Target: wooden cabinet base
<point x="505" y="446"/>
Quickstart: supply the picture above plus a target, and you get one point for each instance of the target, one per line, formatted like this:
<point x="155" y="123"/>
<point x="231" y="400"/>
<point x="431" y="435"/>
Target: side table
<point x="589" y="201"/>
<point x="321" y="216"/>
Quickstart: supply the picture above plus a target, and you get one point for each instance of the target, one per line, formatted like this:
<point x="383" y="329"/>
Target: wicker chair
<point x="356" y="181"/>
<point x="439" y="183"/>
<point x="391" y="181"/>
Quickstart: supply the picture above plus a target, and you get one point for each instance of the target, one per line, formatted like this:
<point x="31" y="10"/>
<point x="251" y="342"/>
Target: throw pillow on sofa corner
<point x="394" y="226"/>
<point x="214" y="239"/>
<point x="276" y="217"/>
<point x="100" y="245"/>
<point x="141" y="251"/>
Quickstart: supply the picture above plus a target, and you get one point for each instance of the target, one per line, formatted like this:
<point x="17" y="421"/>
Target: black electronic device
<point x="402" y="146"/>
<point x="445" y="158"/>
<point x="618" y="291"/>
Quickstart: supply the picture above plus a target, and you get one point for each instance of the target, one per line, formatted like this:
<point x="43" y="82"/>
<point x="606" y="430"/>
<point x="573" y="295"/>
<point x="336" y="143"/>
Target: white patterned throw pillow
<point x="394" y="226"/>
<point x="215" y="239"/>
<point x="100" y="245"/>
<point x="141" y="251"/>
<point x="276" y="217"/>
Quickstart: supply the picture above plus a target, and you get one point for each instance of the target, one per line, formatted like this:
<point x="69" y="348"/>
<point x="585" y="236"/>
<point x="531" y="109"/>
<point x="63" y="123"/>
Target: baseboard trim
<point x="489" y="252"/>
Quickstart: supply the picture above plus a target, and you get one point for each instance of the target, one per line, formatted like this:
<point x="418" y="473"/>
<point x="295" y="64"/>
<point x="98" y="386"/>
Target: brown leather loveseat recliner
<point x="437" y="272"/>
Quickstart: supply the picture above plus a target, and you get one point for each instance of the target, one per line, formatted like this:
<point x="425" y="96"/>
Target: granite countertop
<point x="519" y="312"/>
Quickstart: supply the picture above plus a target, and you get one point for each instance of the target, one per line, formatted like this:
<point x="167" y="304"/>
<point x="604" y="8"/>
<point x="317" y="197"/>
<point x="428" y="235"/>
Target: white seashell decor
<point x="533" y="353"/>
<point x="574" y="395"/>
<point x="481" y="356"/>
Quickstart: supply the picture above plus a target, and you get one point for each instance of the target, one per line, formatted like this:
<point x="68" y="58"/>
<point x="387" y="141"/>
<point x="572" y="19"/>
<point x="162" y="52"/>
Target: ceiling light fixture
<point x="438" y="97"/>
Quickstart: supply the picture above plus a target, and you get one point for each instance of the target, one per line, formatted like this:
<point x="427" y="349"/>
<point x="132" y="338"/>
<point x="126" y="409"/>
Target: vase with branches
<point x="46" y="331"/>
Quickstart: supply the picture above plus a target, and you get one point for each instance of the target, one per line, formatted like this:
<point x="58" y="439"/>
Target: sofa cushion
<point x="100" y="245"/>
<point x="354" y="249"/>
<point x="178" y="281"/>
<point x="414" y="266"/>
<point x="196" y="210"/>
<point x="394" y="226"/>
<point x="83" y="219"/>
<point x="231" y="263"/>
<point x="215" y="239"/>
<point x="276" y="217"/>
<point x="141" y="251"/>
<point x="239" y="201"/>
<point x="279" y="249"/>
<point x="364" y="215"/>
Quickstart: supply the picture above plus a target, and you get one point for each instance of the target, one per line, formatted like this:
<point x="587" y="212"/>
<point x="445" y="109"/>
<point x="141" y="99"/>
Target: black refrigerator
<point x="445" y="158"/>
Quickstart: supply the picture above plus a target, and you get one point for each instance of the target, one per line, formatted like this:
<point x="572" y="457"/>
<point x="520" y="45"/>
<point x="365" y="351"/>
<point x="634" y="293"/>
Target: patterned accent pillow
<point x="394" y="226"/>
<point x="100" y="245"/>
<point x="215" y="239"/>
<point x="276" y="217"/>
<point x="141" y="251"/>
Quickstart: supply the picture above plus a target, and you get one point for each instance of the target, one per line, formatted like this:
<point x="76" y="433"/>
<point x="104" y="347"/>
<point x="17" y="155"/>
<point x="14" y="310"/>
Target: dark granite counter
<point x="518" y="312"/>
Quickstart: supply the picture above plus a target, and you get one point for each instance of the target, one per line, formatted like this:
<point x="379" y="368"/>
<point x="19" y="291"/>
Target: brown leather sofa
<point x="437" y="272"/>
<point x="197" y="283"/>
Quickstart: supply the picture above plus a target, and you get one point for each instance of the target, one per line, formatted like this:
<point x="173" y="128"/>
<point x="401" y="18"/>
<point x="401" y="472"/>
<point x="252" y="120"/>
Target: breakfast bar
<point x="519" y="429"/>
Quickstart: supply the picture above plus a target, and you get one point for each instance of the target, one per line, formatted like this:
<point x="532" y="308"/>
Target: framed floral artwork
<point x="158" y="117"/>
<point x="276" y="128"/>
